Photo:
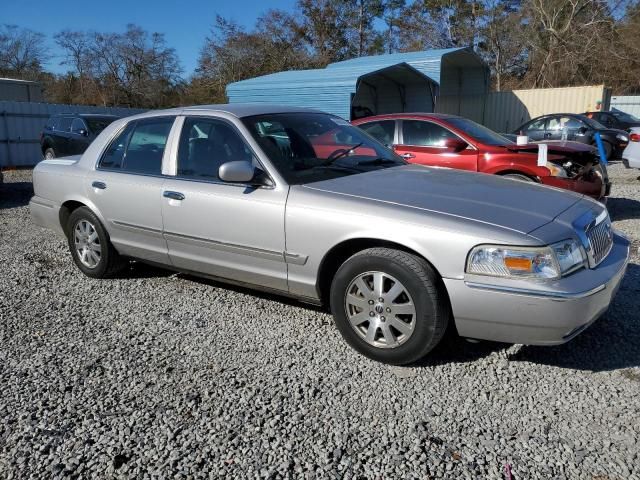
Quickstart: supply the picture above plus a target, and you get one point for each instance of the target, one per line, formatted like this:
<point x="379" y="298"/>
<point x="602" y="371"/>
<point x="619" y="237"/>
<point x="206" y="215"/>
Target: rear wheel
<point x="518" y="176"/>
<point x="90" y="247"/>
<point x="388" y="306"/>
<point x="49" y="153"/>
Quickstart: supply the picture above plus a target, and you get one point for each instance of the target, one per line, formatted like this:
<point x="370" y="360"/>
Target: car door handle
<point x="100" y="185"/>
<point x="407" y="156"/>
<point x="173" y="195"/>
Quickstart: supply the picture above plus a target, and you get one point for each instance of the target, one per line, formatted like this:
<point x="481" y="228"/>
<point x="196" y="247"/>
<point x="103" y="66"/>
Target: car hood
<point x="510" y="204"/>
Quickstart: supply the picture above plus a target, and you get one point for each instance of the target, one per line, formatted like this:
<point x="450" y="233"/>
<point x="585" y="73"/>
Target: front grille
<point x="600" y="239"/>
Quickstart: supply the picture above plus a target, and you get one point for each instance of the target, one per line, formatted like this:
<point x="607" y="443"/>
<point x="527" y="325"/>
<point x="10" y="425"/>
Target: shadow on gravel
<point x="15" y="194"/>
<point x="612" y="343"/>
<point x="623" y="208"/>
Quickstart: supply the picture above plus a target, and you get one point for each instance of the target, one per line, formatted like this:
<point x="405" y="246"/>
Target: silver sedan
<point x="301" y="203"/>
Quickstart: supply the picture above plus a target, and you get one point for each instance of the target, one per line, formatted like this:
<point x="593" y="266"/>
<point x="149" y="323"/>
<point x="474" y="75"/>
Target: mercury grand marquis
<point x="301" y="203"/>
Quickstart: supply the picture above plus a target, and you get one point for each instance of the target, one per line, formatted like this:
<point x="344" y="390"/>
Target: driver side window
<point x="206" y="144"/>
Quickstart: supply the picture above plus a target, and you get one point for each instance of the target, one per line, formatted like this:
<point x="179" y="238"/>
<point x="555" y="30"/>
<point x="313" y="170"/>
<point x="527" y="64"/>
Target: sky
<point x="185" y="23"/>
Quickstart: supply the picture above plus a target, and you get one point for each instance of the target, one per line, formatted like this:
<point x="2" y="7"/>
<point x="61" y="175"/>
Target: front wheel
<point x="518" y="176"/>
<point x="388" y="306"/>
<point x="49" y="154"/>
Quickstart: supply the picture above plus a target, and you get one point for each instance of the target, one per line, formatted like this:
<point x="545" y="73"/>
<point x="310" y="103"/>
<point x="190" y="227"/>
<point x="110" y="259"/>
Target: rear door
<point x="423" y="142"/>
<point x="127" y="188"/>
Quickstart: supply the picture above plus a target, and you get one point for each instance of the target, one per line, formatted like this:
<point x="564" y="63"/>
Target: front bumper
<point x="535" y="313"/>
<point x="596" y="189"/>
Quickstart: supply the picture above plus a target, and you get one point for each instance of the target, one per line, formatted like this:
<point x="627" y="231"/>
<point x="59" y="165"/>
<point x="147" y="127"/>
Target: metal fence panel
<point x="506" y="111"/>
<point x="626" y="103"/>
<point x="22" y="122"/>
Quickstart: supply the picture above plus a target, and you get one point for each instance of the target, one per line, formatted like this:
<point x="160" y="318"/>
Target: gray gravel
<point x="163" y="375"/>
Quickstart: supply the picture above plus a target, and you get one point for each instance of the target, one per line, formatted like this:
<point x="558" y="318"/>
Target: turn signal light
<point x="518" y="263"/>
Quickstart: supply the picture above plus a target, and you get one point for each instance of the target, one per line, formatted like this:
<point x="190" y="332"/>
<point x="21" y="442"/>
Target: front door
<point x="127" y="186"/>
<point x="228" y="230"/>
<point x="423" y="142"/>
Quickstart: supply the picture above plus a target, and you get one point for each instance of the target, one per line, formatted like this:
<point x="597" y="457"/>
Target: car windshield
<point x="592" y="123"/>
<point x="625" y="117"/>
<point x="478" y="132"/>
<point x="311" y="147"/>
<point x="97" y="124"/>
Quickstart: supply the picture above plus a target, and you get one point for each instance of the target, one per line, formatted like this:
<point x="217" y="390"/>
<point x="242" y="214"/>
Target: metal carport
<point x="389" y="83"/>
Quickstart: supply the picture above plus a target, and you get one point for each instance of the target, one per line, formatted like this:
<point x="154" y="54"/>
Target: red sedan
<point x="449" y="141"/>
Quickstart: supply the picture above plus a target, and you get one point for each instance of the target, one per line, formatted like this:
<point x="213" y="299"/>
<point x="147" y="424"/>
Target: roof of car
<point x="391" y="116"/>
<point x="249" y="109"/>
<point x="86" y="115"/>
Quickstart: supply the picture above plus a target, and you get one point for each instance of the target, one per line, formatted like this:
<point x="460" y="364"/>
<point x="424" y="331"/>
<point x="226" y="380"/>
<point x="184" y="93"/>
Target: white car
<point x="631" y="154"/>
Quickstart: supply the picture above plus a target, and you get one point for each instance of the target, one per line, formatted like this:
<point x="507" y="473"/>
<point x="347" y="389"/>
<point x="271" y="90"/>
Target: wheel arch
<point x="512" y="171"/>
<point x="340" y="252"/>
<point x="69" y="205"/>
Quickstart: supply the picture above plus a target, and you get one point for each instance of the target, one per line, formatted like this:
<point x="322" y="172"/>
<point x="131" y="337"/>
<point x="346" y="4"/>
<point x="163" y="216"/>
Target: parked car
<point x="615" y="119"/>
<point x="304" y="204"/>
<point x="450" y="141"/>
<point x="70" y="134"/>
<point x="575" y="127"/>
<point x="631" y="154"/>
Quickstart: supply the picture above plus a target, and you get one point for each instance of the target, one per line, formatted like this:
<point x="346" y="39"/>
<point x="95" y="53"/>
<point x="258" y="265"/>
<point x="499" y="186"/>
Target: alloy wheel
<point x="87" y="243"/>
<point x="380" y="309"/>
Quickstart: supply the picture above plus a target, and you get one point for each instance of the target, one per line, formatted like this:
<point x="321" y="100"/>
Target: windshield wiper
<point x="329" y="161"/>
<point x="378" y="161"/>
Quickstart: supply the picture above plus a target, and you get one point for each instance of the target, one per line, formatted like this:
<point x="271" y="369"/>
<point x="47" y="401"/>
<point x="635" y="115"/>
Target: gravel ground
<point x="163" y="375"/>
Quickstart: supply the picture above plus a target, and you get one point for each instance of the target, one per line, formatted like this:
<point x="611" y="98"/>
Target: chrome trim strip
<point x="226" y="247"/>
<point x="537" y="293"/>
<point x="130" y="226"/>
<point x="295" y="258"/>
<point x="41" y="204"/>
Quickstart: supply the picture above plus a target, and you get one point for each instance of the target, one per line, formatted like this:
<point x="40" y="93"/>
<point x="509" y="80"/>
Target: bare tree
<point x="23" y="52"/>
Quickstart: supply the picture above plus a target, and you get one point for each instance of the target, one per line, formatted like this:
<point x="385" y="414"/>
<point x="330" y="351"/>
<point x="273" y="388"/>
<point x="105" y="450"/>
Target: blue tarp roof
<point x="330" y="88"/>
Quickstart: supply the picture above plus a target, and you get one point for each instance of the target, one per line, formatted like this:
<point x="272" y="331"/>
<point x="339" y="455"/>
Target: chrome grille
<point x="600" y="239"/>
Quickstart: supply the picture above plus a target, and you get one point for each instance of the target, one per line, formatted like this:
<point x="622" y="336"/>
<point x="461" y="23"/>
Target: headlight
<point x="526" y="262"/>
<point x="570" y="256"/>
<point x="622" y="138"/>
<point x="556" y="170"/>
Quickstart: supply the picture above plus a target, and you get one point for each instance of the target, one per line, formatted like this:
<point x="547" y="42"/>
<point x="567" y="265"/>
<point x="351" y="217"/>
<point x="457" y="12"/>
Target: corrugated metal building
<point x="22" y="122"/>
<point x="20" y="90"/>
<point x="399" y="82"/>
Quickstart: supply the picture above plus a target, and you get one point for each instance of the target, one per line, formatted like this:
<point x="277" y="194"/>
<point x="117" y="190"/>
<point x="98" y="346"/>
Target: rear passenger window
<point x="382" y="131"/>
<point x="421" y="133"/>
<point x="139" y="147"/>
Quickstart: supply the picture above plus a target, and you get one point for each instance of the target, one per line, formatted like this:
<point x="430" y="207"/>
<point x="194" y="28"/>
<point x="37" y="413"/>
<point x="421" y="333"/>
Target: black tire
<point x="49" y="153"/>
<point x="421" y="282"/>
<point x="110" y="262"/>
<point x="518" y="176"/>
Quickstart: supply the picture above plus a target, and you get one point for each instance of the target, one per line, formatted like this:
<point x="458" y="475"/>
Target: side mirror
<point x="237" y="172"/>
<point x="455" y="144"/>
<point x="582" y="130"/>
